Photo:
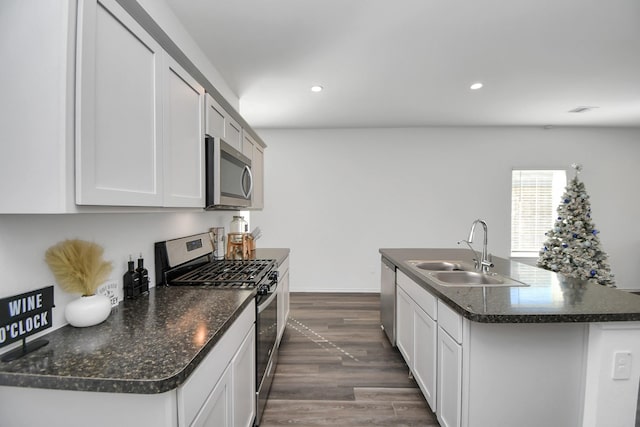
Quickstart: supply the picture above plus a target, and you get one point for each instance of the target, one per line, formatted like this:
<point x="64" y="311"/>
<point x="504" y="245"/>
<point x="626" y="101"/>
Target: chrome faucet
<point x="483" y="263"/>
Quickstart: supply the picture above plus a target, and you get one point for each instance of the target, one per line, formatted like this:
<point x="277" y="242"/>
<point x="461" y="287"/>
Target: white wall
<point x="25" y="238"/>
<point x="336" y="196"/>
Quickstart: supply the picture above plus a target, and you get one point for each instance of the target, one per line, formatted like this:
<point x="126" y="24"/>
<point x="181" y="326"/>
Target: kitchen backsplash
<point x="25" y="238"/>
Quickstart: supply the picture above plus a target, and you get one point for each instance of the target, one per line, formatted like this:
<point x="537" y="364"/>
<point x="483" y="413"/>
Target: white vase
<point x="88" y="310"/>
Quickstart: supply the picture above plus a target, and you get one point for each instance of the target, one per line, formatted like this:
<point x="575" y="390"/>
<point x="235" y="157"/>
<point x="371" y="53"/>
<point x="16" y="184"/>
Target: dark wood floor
<point x="337" y="368"/>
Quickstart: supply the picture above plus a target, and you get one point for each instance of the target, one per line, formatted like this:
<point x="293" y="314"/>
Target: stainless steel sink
<point x="454" y="273"/>
<point x="437" y="265"/>
<point x="473" y="278"/>
<point x="470" y="277"/>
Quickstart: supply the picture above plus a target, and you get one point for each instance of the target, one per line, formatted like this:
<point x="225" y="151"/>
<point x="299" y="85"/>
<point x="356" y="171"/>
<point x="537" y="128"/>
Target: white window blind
<point x="535" y="195"/>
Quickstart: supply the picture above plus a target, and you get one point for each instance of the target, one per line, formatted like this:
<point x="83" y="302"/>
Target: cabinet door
<point x="425" y="354"/>
<point x="247" y="145"/>
<point x="36" y="173"/>
<point x="183" y="138"/>
<point x="280" y="322"/>
<point x="217" y="409"/>
<point x="257" y="169"/>
<point x="255" y="152"/>
<point x="285" y="280"/>
<point x="233" y="133"/>
<point x="118" y="109"/>
<point x="404" y="326"/>
<point x="283" y="300"/>
<point x="244" y="381"/>
<point x="220" y="124"/>
<point x="449" y="379"/>
<point x="215" y="118"/>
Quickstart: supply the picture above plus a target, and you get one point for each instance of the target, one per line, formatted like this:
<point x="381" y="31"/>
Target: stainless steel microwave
<point x="229" y="182"/>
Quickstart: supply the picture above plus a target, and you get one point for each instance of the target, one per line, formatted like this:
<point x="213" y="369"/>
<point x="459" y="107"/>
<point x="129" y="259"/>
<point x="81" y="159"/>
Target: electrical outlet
<point x="622" y="365"/>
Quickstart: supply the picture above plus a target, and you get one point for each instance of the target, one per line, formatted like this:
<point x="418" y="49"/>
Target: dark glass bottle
<point x="144" y="276"/>
<point x="131" y="281"/>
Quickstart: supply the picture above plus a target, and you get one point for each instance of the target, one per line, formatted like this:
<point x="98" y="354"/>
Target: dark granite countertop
<point x="545" y="300"/>
<point x="147" y="345"/>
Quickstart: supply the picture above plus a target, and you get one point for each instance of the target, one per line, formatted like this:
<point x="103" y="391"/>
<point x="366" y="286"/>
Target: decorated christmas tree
<point x="573" y="247"/>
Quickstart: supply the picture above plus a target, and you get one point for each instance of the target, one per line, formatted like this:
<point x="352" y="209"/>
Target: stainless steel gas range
<point x="189" y="261"/>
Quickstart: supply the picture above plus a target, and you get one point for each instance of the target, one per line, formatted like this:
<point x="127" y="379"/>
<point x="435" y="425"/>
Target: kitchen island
<point x="548" y="353"/>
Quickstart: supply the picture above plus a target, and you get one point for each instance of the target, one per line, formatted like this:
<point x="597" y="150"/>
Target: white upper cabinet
<point x="255" y="152"/>
<point x="220" y="124"/>
<point x="233" y="134"/>
<point x="183" y="138"/>
<point x="139" y="116"/>
<point x="118" y="109"/>
<point x="215" y="116"/>
<point x="119" y="121"/>
<point x="36" y="131"/>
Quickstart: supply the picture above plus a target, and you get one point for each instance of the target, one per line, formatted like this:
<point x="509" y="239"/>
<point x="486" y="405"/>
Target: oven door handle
<point x="266" y="303"/>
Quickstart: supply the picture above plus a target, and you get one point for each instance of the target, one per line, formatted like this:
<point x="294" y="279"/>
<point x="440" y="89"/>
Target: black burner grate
<point x="227" y="274"/>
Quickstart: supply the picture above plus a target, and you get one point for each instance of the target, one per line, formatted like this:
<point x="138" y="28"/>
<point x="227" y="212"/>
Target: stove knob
<point x="273" y="275"/>
<point x="263" y="290"/>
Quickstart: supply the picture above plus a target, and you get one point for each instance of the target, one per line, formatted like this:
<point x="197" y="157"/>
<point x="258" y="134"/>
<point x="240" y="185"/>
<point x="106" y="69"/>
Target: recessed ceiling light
<point x="316" y="88"/>
<point x="476" y="86"/>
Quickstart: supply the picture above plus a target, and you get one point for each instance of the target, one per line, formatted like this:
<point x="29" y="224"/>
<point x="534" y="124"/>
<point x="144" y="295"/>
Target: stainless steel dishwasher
<point x="388" y="299"/>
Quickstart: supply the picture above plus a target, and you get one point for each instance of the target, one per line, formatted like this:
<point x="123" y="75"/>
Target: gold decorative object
<point x="78" y="266"/>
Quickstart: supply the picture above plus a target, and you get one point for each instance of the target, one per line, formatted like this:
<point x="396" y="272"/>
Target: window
<point x="535" y="195"/>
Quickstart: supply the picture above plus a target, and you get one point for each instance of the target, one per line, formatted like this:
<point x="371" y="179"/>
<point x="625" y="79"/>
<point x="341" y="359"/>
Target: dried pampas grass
<point x="78" y="266"/>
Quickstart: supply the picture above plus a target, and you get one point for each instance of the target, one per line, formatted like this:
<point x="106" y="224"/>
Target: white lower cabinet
<point x="217" y="409"/>
<point x="449" y="365"/>
<point x="424" y="364"/>
<point x="244" y="382"/>
<point x="449" y="380"/>
<point x="429" y="336"/>
<point x="221" y="391"/>
<point x="283" y="297"/>
<point x="230" y="403"/>
<point x="476" y="374"/>
<point x="416" y="334"/>
<point x="404" y="325"/>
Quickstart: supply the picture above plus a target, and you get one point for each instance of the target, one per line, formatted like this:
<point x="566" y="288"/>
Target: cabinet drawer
<point x="450" y="321"/>
<point x="421" y="296"/>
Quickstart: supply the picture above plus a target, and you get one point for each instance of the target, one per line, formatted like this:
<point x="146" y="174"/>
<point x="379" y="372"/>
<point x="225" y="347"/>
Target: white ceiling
<point x="396" y="63"/>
